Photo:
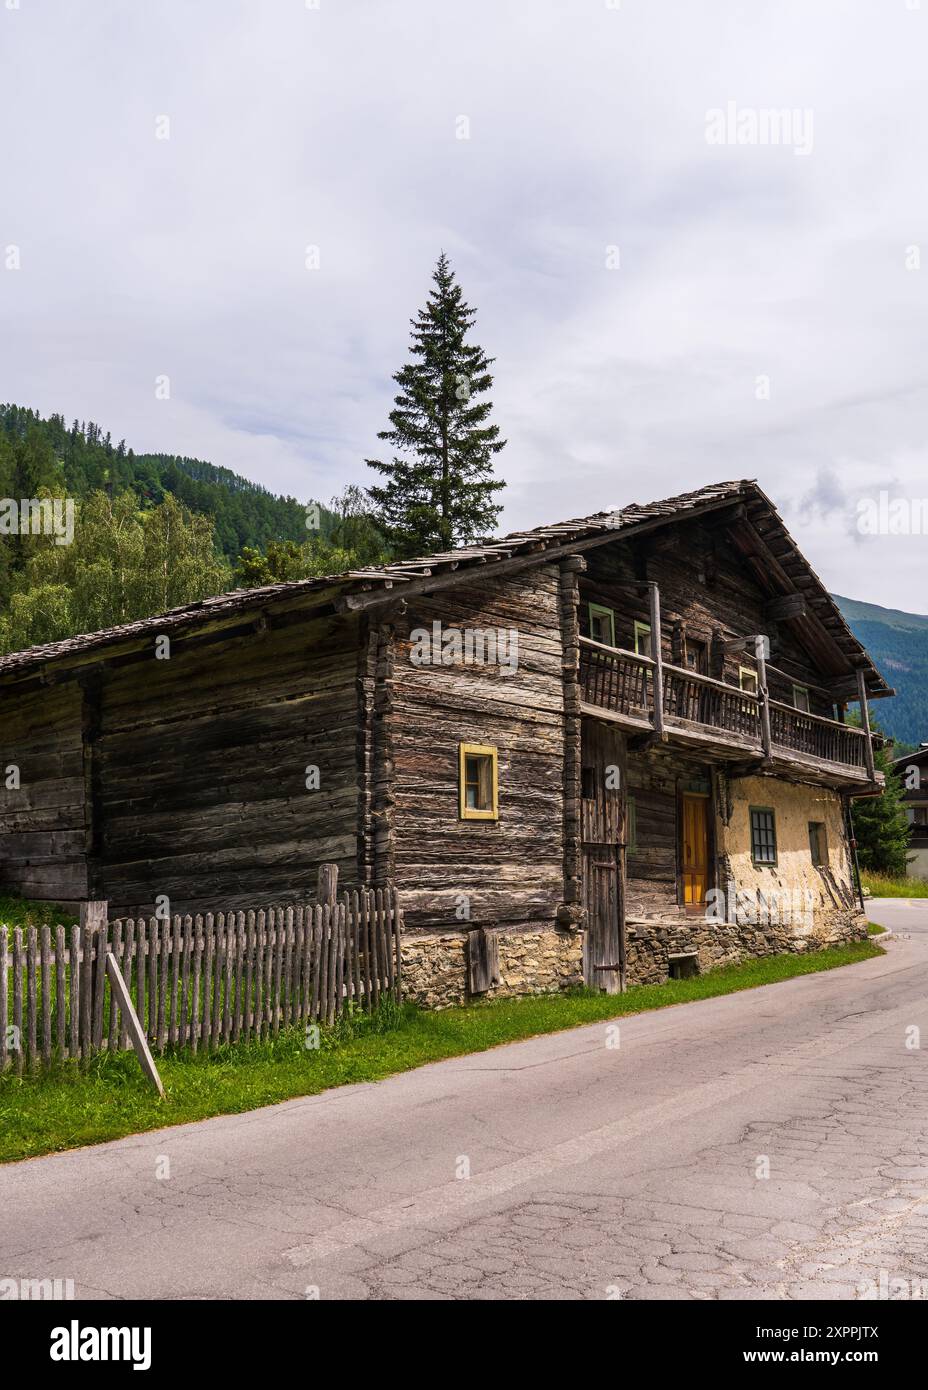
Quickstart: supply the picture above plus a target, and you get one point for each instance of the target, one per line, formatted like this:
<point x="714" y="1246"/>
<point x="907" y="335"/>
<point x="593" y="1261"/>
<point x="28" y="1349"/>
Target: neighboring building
<point x="563" y="747"/>
<point x="913" y="770"/>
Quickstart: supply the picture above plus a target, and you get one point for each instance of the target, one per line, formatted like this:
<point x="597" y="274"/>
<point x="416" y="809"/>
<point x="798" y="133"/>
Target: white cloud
<point x="336" y="127"/>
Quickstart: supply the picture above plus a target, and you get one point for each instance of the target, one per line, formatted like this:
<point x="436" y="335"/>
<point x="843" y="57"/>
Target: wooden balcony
<point x="701" y="712"/>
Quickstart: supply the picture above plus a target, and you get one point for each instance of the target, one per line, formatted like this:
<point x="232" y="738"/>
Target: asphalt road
<point x="769" y="1144"/>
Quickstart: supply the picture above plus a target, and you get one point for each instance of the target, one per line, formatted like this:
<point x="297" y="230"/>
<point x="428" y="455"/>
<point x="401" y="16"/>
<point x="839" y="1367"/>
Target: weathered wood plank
<point x="136" y="1031"/>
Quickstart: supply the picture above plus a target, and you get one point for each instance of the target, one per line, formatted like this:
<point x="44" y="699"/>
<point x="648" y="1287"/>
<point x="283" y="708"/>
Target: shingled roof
<point x="765" y="545"/>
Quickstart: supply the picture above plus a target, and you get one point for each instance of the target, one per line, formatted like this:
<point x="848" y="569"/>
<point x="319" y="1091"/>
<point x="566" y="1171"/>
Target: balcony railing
<point x="817" y="737"/>
<point x="622" y="682"/>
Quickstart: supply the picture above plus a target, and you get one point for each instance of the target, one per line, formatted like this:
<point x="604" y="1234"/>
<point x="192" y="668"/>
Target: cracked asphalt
<point x="771" y="1144"/>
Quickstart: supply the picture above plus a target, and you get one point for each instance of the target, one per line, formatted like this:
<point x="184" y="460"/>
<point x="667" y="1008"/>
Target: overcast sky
<point x="766" y="316"/>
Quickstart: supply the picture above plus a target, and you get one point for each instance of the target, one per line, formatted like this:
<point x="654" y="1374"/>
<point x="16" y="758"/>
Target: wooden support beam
<point x="786" y="606"/>
<point x="760" y="652"/>
<point x="865" y="723"/>
<point x="657" y="671"/>
<point x="133" y="1025"/>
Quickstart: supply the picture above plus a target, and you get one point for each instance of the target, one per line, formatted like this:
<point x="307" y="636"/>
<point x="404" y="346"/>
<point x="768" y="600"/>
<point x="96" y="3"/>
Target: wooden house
<point x="583" y="751"/>
<point x="913" y="769"/>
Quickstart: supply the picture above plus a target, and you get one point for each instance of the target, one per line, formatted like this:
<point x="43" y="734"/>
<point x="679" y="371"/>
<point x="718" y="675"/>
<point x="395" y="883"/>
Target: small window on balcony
<point x="801" y="698"/>
<point x="643" y="639"/>
<point x="747" y="679"/>
<point x="818" y="843"/>
<point x="478" y="782"/>
<point x="763" y="835"/>
<point x="697" y="656"/>
<point x="602" y="624"/>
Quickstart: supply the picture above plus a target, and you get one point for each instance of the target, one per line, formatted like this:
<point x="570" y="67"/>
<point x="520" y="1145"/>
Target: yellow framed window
<point x="747" y="679"/>
<point x="479" y="782"/>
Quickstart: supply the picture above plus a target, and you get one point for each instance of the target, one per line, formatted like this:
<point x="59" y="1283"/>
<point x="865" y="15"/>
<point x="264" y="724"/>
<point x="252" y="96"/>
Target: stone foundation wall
<point x="728" y="943"/>
<point x="545" y="961"/>
<point x="530" y="962"/>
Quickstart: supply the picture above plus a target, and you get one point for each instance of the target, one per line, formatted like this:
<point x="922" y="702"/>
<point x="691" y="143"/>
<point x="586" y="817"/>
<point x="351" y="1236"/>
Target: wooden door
<point x="695" y="855"/>
<point x="602" y="823"/>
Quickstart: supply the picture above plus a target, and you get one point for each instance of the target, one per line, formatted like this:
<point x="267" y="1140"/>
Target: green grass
<point x="70" y="1107"/>
<point x="20" y="912"/>
<point x="874" y="929"/>
<point x="881" y="886"/>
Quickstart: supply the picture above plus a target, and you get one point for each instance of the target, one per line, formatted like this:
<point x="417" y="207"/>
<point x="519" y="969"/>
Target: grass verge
<point x="109" y="1099"/>
<point x="883" y="887"/>
<point x="874" y="929"/>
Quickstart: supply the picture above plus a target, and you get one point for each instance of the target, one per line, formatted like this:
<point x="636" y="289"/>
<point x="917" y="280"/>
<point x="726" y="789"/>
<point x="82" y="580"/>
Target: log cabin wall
<point x="44" y="821"/>
<point x="707" y="596"/>
<point x="509" y="872"/>
<point x="187" y="777"/>
<point x="203" y="770"/>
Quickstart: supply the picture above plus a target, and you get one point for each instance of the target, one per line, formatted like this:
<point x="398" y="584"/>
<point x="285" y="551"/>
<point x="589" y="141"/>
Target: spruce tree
<point x="439" y="490"/>
<point x="881" y="827"/>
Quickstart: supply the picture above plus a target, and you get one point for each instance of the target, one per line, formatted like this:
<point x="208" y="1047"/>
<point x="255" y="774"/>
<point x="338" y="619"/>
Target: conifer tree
<point x="881" y="827"/>
<point x="438" y="489"/>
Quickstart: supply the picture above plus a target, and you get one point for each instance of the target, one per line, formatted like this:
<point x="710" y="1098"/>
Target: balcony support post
<point x="657" y="670"/>
<point x="763" y="694"/>
<point x="865" y="724"/>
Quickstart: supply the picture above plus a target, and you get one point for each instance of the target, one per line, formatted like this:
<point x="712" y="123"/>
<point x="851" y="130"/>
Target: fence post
<point x="327" y="884"/>
<point x="94" y="915"/>
<point x="3" y="999"/>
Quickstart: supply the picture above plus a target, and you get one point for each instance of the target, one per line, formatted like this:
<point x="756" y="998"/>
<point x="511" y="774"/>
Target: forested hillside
<point x="151" y="532"/>
<point x="81" y="458"/>
<point x="898" y="643"/>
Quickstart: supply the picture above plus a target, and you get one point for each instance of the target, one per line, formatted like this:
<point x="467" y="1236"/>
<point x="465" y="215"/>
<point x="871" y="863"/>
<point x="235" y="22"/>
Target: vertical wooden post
<point x="763" y="694"/>
<point x="570" y="911"/>
<point x="4" y="1024"/>
<point x="327" y="884"/>
<point x="852" y="847"/>
<point x="94" y="916"/>
<point x="657" y="670"/>
<point x="865" y="724"/>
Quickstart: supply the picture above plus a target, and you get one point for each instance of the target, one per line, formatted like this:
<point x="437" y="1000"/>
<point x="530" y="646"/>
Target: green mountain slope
<point x="36" y="451"/>
<point x="898" y="643"/>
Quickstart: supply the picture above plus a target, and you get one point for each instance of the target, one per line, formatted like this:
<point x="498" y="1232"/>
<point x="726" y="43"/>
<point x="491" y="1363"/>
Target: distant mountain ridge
<point x="898" y="643"/>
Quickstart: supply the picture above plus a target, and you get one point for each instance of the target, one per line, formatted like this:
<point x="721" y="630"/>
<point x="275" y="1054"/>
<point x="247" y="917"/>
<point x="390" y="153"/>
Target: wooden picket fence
<point x="197" y="982"/>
